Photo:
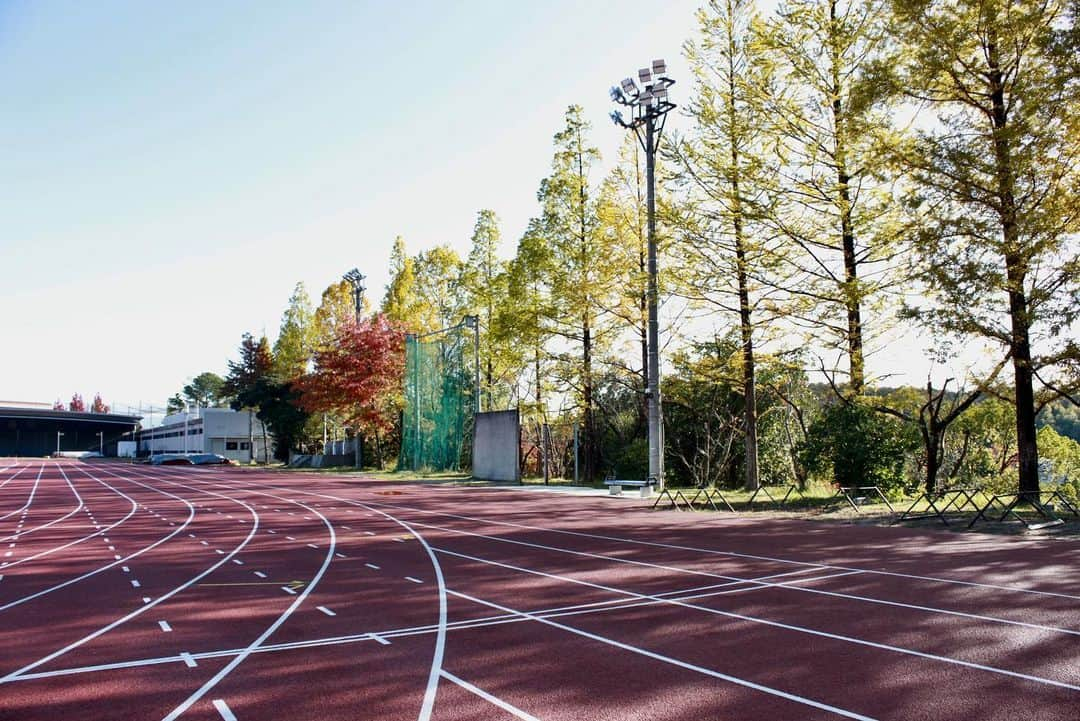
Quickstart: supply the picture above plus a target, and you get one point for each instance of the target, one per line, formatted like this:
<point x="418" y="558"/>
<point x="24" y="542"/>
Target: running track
<point x="131" y="592"/>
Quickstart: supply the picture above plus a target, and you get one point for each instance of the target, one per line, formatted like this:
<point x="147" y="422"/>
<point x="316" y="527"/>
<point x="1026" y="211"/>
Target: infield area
<point x="132" y="592"/>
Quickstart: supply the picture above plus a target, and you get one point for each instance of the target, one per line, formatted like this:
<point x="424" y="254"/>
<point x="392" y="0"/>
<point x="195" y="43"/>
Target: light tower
<point x="648" y="106"/>
<point x="356" y="280"/>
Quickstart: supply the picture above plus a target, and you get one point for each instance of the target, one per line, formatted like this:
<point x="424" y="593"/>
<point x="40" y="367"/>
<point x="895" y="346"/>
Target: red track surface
<point x="501" y="604"/>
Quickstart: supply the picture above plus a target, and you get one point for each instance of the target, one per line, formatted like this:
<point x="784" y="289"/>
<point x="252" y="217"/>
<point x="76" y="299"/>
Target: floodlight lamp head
<point x="629" y="87"/>
<point x="616" y="117"/>
<point x="659" y="67"/>
<point x="617" y="95"/>
<point x="356" y="278"/>
<point x="644" y="76"/>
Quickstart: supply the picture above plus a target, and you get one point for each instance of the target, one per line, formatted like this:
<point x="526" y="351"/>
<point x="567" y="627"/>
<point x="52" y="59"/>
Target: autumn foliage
<point x="358" y="377"/>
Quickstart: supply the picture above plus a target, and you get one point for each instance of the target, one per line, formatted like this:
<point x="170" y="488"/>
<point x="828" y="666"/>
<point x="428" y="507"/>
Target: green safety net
<point x="438" y="401"/>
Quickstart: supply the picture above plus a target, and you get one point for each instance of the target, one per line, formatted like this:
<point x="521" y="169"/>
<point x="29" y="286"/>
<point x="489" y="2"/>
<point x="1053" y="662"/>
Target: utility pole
<point x="648" y="106"/>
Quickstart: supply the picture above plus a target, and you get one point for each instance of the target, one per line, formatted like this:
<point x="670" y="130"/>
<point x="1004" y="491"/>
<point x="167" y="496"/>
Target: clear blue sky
<point x="170" y="170"/>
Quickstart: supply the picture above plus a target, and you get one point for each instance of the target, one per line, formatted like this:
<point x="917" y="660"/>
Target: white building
<point x="209" y="430"/>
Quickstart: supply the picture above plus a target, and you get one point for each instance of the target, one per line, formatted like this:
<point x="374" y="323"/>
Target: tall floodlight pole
<point x="648" y="106"/>
<point x="356" y="280"/>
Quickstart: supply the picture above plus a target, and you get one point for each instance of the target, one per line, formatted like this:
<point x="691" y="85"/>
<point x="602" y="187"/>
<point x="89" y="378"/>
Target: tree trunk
<point x="589" y="466"/>
<point x="1016" y="272"/>
<point x="850" y="290"/>
<point x="933" y="458"/>
<point x="251" y="437"/>
<point x="746" y="328"/>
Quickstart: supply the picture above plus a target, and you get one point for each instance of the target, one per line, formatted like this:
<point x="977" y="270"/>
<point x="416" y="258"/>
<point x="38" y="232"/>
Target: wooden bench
<point x="616" y="485"/>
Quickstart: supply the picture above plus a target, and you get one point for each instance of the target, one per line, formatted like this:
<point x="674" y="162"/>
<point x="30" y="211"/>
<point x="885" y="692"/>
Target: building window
<point x="244" y="446"/>
<point x="230" y="445"/>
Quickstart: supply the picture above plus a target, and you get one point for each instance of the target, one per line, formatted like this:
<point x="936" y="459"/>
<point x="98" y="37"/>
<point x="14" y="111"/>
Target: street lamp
<point x="101" y="442"/>
<point x="648" y="106"/>
<point x="356" y="280"/>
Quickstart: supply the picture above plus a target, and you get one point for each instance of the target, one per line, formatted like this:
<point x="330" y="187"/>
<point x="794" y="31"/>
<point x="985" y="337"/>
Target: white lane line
<point x="312" y="545"/>
<point x="288" y="590"/>
<point x="696" y="549"/>
<point x="414" y="580"/>
<point x="271" y="531"/>
<point x="260" y="574"/>
<point x="146" y="599"/>
<point x="189" y="660"/>
<point x="770" y="623"/>
<point x="205" y="543"/>
<point x="165" y="626"/>
<point x="149" y="604"/>
<point x="340" y="555"/>
<point x="372" y="566"/>
<point x="218" y="550"/>
<point x="817" y="591"/>
<point x="379" y="638"/>
<point x="238" y="562"/>
<point x="290" y="538"/>
<point x="224" y="710"/>
<point x="281" y="619"/>
<point x="134" y="583"/>
<point x="399" y="540"/>
<point x="116" y="556"/>
<point x="125" y="569"/>
<point x="669" y="660"/>
<point x="369" y="533"/>
<point x="326" y="610"/>
<point x="512" y="710"/>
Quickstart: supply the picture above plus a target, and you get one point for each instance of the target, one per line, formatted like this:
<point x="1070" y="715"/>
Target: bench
<point x="615" y="486"/>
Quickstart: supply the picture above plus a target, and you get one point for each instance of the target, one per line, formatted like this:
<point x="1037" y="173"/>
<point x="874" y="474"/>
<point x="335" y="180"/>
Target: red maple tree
<point x="359" y="376"/>
<point x="98" y="406"/>
<point x="77" y="404"/>
<point x="59" y="405"/>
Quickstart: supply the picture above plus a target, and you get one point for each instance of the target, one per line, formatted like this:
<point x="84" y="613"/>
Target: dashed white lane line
<point x="204" y="543"/>
<point x="125" y="569"/>
<point x="112" y="548"/>
<point x="134" y="583"/>
<point x="116" y="556"/>
<point x="260" y="574"/>
<point x="379" y="638"/>
<point x="326" y="610"/>
<point x="165" y="626"/>
<point x="399" y="540"/>
<point x="288" y="590"/>
<point x="238" y="562"/>
<point x="146" y="599"/>
<point x="224" y="710"/>
<point x="188" y="659"/>
<point x="290" y="538"/>
<point x="369" y="533"/>
<point x="219" y="551"/>
<point x="269" y="531"/>
<point x="414" y="580"/>
<point x="340" y="555"/>
<point x="372" y="566"/>
<point x="312" y="545"/>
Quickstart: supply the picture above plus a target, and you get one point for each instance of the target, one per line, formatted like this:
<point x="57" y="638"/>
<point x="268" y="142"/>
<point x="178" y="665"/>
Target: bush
<point x="858" y="447"/>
